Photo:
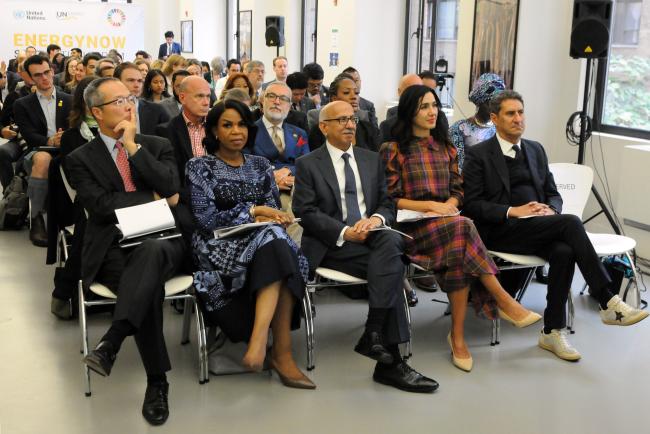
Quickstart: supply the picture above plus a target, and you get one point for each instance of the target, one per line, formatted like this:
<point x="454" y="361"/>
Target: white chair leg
<point x="84" y="336"/>
<point x="496" y="324"/>
<point x="571" y="313"/>
<point x="637" y="292"/>
<point x="309" y="328"/>
<point x="201" y="343"/>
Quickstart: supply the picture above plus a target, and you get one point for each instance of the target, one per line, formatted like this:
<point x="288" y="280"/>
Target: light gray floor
<point x="514" y="387"/>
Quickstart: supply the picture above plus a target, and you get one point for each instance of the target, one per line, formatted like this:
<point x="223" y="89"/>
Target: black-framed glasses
<point x="273" y="97"/>
<point x="40" y="75"/>
<point x="344" y="120"/>
<point x="118" y="102"/>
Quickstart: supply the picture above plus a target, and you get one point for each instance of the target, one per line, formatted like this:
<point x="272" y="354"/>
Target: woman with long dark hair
<point x="251" y="280"/>
<point x="422" y="175"/>
<point x="155" y="86"/>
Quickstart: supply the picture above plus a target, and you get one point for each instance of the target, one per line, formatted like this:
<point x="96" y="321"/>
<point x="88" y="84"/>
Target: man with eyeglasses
<point x="41" y="119"/>
<point x="148" y="114"/>
<point x="340" y="197"/>
<point x="118" y="169"/>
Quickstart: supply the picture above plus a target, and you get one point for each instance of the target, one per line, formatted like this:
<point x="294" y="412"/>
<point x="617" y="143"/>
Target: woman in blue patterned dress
<point x="249" y="281"/>
<point x="471" y="131"/>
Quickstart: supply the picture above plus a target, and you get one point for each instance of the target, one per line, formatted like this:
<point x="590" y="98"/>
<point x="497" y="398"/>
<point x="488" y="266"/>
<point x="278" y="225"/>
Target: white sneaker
<point x="557" y="343"/>
<point x="620" y="313"/>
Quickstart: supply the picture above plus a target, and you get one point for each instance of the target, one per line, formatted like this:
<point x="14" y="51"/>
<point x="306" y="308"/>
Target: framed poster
<point x="245" y="35"/>
<point x="495" y="39"/>
<point x="187" y="36"/>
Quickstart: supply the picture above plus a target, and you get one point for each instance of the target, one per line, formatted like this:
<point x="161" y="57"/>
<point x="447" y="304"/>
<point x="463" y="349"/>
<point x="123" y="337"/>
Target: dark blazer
<point x="162" y="50"/>
<point x="150" y="115"/>
<point x="171" y="106"/>
<point x="487" y="183"/>
<point x="367" y="136"/>
<point x="295" y="145"/>
<point x="100" y="190"/>
<point x="30" y="118"/>
<point x="317" y="200"/>
<point x="294" y="117"/>
<point x="368" y="106"/>
<point x="306" y="104"/>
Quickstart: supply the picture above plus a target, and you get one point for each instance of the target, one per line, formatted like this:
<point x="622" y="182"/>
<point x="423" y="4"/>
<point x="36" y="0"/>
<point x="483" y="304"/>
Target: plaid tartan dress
<point x="450" y="246"/>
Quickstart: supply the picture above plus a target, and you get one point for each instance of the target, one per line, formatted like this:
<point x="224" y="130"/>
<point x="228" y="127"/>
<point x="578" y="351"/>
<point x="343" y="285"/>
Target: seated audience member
<point x="240" y="81"/>
<point x="20" y="58"/>
<point x="422" y="175"/>
<point x="173" y="63"/>
<point x="234" y="67"/>
<point x="148" y="115"/>
<point x="157" y="64"/>
<point x="52" y="51"/>
<point x="115" y="170"/>
<point x="207" y="72"/>
<point x="340" y="195"/>
<point x="280" y="68"/>
<point x="238" y="94"/>
<point x="507" y="179"/>
<point x="478" y="128"/>
<point x="155" y="86"/>
<point x="343" y="88"/>
<point x="173" y="105"/>
<point x="67" y="73"/>
<point x="195" y="68"/>
<point x="364" y="104"/>
<point x="105" y="67"/>
<point x="143" y="66"/>
<point x="253" y="280"/>
<point x="82" y="129"/>
<point x="90" y="62"/>
<point x="41" y="118"/>
<point x="79" y="74"/>
<point x="141" y="54"/>
<point x="315" y="89"/>
<point x="297" y="82"/>
<point x="115" y="55"/>
<point x="76" y="52"/>
<point x="391" y="114"/>
<point x="254" y="70"/>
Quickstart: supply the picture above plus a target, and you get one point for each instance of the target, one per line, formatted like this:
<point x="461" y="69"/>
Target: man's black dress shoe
<point x="155" y="407"/>
<point x="403" y="377"/>
<point x="371" y="345"/>
<point x="37" y="232"/>
<point x="411" y="297"/>
<point x="101" y="359"/>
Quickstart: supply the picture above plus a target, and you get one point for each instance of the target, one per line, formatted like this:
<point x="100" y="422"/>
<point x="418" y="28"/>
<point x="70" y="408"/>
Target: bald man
<point x="340" y="196"/>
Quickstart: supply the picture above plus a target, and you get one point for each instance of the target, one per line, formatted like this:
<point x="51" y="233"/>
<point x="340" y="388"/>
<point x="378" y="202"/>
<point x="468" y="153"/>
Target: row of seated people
<point x="341" y="192"/>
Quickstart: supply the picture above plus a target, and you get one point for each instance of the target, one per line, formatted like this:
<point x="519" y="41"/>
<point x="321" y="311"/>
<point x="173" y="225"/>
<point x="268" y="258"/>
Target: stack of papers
<point x="407" y="215"/>
<point x="149" y="218"/>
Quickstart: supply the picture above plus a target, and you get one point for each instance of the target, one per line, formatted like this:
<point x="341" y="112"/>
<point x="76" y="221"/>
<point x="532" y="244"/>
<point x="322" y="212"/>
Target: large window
<point x="623" y="89"/>
<point x="309" y="27"/>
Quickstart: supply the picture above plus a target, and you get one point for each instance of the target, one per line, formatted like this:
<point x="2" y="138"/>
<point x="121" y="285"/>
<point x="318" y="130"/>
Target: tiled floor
<point x="514" y="387"/>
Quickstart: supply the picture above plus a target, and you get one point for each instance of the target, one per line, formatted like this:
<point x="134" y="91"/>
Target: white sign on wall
<point x="89" y="26"/>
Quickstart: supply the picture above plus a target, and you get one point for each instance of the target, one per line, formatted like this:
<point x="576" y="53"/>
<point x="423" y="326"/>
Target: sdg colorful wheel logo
<point x="116" y="17"/>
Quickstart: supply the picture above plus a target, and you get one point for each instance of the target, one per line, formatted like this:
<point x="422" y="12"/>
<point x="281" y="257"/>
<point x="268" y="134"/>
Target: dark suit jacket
<point x="487" y="182"/>
<point x="171" y="106"/>
<point x="30" y="118"/>
<point x="100" y="190"/>
<point x="295" y="145"/>
<point x="150" y="115"/>
<point x="317" y="200"/>
<point x="294" y="117"/>
<point x="306" y="104"/>
<point x="367" y="136"/>
<point x="162" y="50"/>
<point x="368" y="106"/>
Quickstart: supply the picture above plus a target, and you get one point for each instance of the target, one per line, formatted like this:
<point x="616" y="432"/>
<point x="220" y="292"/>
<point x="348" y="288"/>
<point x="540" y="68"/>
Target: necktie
<point x="351" y="201"/>
<point x="169" y="49"/>
<point x="517" y="151"/>
<point x="277" y="140"/>
<point x="123" y="167"/>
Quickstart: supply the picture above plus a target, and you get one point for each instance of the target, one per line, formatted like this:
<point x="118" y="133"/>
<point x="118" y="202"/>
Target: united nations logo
<point x="116" y="17"/>
<point x="19" y="14"/>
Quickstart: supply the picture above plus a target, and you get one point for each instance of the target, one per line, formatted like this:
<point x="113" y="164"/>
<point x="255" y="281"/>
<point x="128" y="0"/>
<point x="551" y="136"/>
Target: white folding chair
<point x="176" y="288"/>
<point x="574" y="183"/>
<point x="326" y="277"/>
<point x="62" y="240"/>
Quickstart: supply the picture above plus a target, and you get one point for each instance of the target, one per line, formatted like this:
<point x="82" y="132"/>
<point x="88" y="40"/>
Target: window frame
<point x="303" y="60"/>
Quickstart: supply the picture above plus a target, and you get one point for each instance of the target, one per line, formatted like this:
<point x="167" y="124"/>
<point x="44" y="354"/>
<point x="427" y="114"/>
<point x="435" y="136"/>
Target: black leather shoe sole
<point x="428" y="388"/>
<point x="155" y="420"/>
<point x="93" y="363"/>
<point x="380" y="355"/>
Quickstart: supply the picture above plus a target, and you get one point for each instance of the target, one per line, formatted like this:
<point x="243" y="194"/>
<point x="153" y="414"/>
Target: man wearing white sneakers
<point x="511" y="195"/>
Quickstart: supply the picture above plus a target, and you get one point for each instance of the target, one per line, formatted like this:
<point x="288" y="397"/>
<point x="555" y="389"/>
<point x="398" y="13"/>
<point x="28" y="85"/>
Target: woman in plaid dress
<point x="422" y="175"/>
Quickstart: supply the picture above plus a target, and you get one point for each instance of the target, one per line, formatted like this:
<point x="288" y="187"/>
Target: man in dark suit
<point x="41" y="118"/>
<point x="297" y="82"/>
<point x="340" y="196"/>
<point x="364" y="104"/>
<point x="149" y="114"/>
<point x="512" y="198"/>
<point x="119" y="169"/>
<point x="169" y="47"/>
<point x="318" y="93"/>
<point x="173" y="105"/>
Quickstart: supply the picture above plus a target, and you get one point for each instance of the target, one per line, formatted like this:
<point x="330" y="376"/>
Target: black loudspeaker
<point x="274" y="31"/>
<point x="590" y="30"/>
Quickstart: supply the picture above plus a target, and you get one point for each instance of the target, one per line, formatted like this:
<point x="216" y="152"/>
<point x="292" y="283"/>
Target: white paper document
<point x="388" y="228"/>
<point x="139" y="220"/>
<point x="407" y="215"/>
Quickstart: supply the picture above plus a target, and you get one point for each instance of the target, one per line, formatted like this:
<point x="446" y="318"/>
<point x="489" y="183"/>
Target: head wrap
<point x="485" y="87"/>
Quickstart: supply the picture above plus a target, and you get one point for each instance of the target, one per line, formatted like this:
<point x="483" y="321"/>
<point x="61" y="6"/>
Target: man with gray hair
<point x="118" y="169"/>
<point x="255" y="72"/>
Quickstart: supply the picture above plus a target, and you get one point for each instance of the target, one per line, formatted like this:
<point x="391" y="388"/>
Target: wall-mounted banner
<point x="89" y="26"/>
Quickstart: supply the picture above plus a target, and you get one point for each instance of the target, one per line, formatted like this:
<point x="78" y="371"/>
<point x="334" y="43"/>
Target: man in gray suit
<point x="173" y="105"/>
<point x="340" y="196"/>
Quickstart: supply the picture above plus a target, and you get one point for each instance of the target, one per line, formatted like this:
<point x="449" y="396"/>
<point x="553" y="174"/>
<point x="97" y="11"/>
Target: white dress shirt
<point x="508" y="148"/>
<point x="48" y="105"/>
<point x="269" y="127"/>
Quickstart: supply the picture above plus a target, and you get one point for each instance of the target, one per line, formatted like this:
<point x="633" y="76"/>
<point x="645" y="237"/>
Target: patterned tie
<point x="123" y="167"/>
<point x="277" y="140"/>
<point x="351" y="201"/>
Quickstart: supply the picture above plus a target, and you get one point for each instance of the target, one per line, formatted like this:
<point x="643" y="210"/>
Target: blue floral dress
<point x="231" y="269"/>
<point x="466" y="133"/>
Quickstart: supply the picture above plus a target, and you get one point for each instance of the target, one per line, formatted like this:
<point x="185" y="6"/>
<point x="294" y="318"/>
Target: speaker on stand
<point x="274" y="33"/>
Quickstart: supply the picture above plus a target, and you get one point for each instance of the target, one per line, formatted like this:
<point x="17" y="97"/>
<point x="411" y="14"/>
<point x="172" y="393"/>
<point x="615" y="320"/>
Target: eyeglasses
<point x="40" y="75"/>
<point x="344" y="120"/>
<point x="273" y="97"/>
<point x="119" y="102"/>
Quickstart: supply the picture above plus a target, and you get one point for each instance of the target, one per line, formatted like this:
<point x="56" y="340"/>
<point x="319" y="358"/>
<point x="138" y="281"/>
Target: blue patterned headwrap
<point x="485" y="87"/>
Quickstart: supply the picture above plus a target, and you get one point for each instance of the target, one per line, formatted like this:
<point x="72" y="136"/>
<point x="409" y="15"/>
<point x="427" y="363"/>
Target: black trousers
<point x="137" y="276"/>
<point x="563" y="242"/>
<point x="380" y="261"/>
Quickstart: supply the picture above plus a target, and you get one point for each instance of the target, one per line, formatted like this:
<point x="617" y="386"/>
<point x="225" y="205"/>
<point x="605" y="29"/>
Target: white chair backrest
<point x="72" y="193"/>
<point x="574" y="185"/>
